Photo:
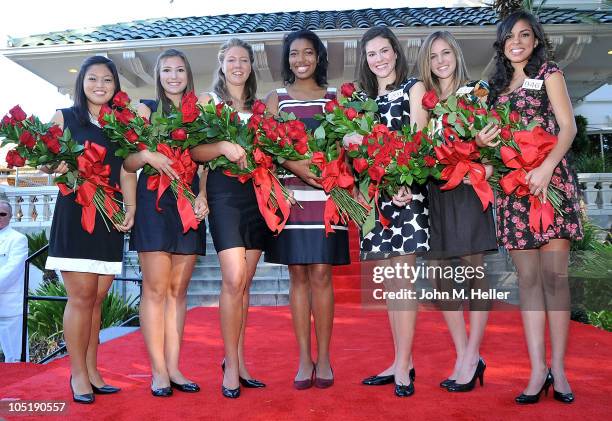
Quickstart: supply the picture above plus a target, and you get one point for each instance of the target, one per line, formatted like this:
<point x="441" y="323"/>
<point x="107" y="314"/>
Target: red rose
<point x="430" y="161"/>
<point x="55" y="131"/>
<point x="418" y="137"/>
<point x="178" y="134"/>
<point x="347" y="89"/>
<point x="52" y="144"/>
<point x="445" y="120"/>
<point x="515" y="117"/>
<point x="330" y="106"/>
<point x="360" y="165"/>
<point x="219" y="108"/>
<point x="124" y="116"/>
<point x="259" y="107"/>
<point x="13" y="159"/>
<point x="301" y="147"/>
<point x="403" y="159"/>
<point x="430" y="99"/>
<point x="353" y="147"/>
<point x="471" y="118"/>
<point x="189" y="107"/>
<point x="17" y="113"/>
<point x="318" y="159"/>
<point x="380" y="129"/>
<point x="376" y="172"/>
<point x="480" y="111"/>
<point x="103" y="111"/>
<point x="8" y="120"/>
<point x="495" y="114"/>
<point x="141" y="146"/>
<point x="470" y="107"/>
<point x="461" y="104"/>
<point x="350" y="113"/>
<point x="121" y="99"/>
<point x="131" y="136"/>
<point x="506" y="133"/>
<point x="27" y="139"/>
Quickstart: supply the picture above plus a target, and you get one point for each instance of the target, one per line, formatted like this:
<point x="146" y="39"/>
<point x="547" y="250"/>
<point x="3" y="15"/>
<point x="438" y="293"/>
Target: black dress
<point x="457" y="224"/>
<point x="71" y="248"/>
<point x="163" y="231"/>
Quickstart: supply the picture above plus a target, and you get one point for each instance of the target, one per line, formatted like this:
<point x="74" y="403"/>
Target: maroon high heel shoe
<point x="323" y="383"/>
<point x="307" y="383"/>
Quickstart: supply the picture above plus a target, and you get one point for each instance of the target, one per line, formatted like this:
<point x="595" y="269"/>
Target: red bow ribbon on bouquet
<point x="335" y="174"/>
<point x="186" y="169"/>
<point x="264" y="182"/>
<point x="94" y="175"/>
<point x="534" y="146"/>
<point x="458" y="158"/>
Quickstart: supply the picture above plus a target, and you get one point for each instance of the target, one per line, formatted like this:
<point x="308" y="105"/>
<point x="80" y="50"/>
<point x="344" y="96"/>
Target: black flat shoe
<point x="105" y="390"/>
<point x="403" y="391"/>
<point x="445" y="384"/>
<point x="86" y="398"/>
<point x="563" y="397"/>
<point x="248" y="383"/>
<point x="524" y="399"/>
<point x="466" y="387"/>
<point x="251" y="383"/>
<point x="162" y="392"/>
<point x="187" y="387"/>
<point x="230" y="393"/>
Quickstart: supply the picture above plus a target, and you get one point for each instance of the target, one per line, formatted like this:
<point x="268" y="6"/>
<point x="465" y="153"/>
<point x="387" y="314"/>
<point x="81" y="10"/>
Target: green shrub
<point x="591" y="163"/>
<point x="35" y="243"/>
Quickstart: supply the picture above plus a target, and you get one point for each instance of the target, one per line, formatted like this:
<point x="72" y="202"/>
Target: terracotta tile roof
<point x="287" y="21"/>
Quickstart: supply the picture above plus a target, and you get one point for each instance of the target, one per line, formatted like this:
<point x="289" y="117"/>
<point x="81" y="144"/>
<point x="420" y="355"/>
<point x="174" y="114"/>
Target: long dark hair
<point x="320" y="74"/>
<point x="367" y="79"/>
<point x="503" y="72"/>
<point x="250" y="87"/>
<point x="160" y="93"/>
<point x="80" y="108"/>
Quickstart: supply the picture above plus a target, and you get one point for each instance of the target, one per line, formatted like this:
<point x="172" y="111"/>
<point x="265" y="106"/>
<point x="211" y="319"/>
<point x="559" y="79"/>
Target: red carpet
<point x="361" y="345"/>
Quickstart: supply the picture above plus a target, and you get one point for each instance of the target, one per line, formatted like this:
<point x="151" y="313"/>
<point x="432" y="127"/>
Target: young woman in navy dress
<point x="303" y="244"/>
<point x="88" y="262"/>
<point x="167" y="255"/>
<point x="383" y="75"/>
<point x="458" y="226"/>
<point x="238" y="230"/>
<point x="541" y="259"/>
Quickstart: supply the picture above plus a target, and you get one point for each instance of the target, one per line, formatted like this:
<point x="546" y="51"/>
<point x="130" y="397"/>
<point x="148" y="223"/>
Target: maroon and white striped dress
<point x="303" y="239"/>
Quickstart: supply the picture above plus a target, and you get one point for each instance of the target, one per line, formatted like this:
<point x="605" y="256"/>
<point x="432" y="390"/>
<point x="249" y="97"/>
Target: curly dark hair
<point x="502" y="74"/>
<point x="320" y="74"/>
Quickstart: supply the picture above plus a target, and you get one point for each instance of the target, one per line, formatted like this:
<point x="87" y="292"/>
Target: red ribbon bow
<point x="94" y="175"/>
<point x="458" y="158"/>
<point x="264" y="182"/>
<point x="335" y="174"/>
<point x="186" y="169"/>
<point x="533" y="147"/>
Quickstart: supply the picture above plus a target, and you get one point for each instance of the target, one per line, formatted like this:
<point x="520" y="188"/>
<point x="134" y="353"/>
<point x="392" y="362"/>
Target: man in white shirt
<point x="13" y="253"/>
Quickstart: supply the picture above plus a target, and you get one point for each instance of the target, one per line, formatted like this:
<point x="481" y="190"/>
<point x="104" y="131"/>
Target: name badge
<point x="464" y="90"/>
<point x="392" y="96"/>
<point x="534" y="84"/>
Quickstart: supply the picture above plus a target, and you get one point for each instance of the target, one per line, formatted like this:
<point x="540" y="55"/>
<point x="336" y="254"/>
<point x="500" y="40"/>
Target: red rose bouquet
<point x="47" y="144"/>
<point x="221" y="122"/>
<point x="286" y="137"/>
<point x="166" y="134"/>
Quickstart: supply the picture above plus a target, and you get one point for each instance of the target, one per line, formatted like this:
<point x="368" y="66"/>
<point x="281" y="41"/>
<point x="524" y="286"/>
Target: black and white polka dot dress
<point x="408" y="230"/>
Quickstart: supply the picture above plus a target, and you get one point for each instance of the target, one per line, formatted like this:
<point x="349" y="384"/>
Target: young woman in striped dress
<point x="303" y="244"/>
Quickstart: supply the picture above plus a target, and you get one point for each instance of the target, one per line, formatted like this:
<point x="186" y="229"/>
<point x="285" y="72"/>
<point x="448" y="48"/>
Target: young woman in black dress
<point x="88" y="262"/>
<point x="458" y="225"/>
<point x="238" y="230"/>
<point x="541" y="259"/>
<point x="383" y="75"/>
<point x="167" y="255"/>
<point x="303" y="244"/>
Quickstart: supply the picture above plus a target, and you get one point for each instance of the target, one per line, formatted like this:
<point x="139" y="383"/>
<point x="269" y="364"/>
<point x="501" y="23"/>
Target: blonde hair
<point x="424" y="62"/>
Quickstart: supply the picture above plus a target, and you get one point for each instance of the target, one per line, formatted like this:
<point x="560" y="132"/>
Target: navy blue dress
<point x="163" y="231"/>
<point x="71" y="248"/>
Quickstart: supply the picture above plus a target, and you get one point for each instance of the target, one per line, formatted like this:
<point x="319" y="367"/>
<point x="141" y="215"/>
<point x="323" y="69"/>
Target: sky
<point x="19" y="86"/>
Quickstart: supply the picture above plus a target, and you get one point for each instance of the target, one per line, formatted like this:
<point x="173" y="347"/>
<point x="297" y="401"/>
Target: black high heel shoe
<point x="446" y="383"/>
<point x="105" y="390"/>
<point x="248" y="383"/>
<point x="382" y="380"/>
<point x="524" y="399"/>
<point x="86" y="398"/>
<point x="230" y="393"/>
<point x="466" y="387"/>
<point x="562" y="397"/>
<point x="404" y="391"/>
<point x="185" y="387"/>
